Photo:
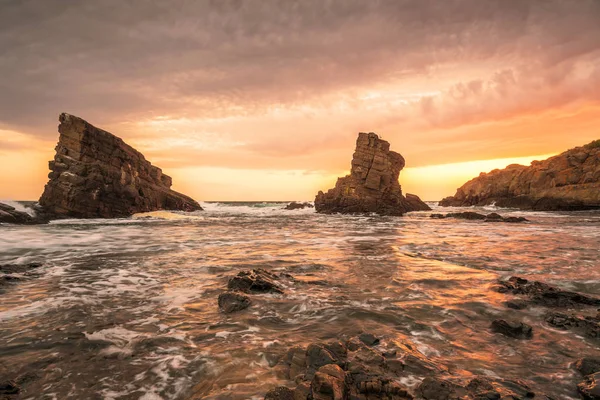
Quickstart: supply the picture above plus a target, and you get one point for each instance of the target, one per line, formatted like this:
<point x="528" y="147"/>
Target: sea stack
<point x="372" y="186"/>
<point x="568" y="181"/>
<point x="95" y="174"/>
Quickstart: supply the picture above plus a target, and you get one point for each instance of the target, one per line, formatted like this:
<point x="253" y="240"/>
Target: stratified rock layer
<point x="372" y="186"/>
<point x="568" y="181"/>
<point x="97" y="175"/>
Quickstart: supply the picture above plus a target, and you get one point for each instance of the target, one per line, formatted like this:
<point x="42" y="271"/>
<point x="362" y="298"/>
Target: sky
<point x="263" y="99"/>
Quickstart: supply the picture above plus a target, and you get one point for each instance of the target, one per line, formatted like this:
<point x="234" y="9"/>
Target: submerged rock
<point x="255" y="281"/>
<point x="568" y="181"/>
<point x="9" y="387"/>
<point x="10" y="215"/>
<point x="95" y="174"/>
<point x="231" y="301"/>
<point x="470" y="215"/>
<point x="517" y="330"/>
<point x="590" y="387"/>
<point x="294" y="205"/>
<point x="589" y="326"/>
<point x="372" y="186"/>
<point x="547" y="295"/>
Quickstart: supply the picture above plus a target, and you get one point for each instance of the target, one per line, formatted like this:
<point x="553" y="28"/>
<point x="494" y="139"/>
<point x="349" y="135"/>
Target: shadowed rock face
<point x="95" y="174"/>
<point x="568" y="181"/>
<point x="372" y="185"/>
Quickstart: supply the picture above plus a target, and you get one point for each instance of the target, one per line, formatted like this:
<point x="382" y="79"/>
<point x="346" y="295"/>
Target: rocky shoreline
<point x="367" y="366"/>
<point x="567" y="182"/>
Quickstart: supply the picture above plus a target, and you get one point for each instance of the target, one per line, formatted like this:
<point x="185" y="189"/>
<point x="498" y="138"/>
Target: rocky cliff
<point x="95" y="174"/>
<point x="372" y="185"/>
<point x="568" y="181"/>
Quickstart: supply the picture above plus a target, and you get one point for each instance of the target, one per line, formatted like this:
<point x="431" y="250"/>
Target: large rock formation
<point x="568" y="181"/>
<point x="97" y="175"/>
<point x="372" y="185"/>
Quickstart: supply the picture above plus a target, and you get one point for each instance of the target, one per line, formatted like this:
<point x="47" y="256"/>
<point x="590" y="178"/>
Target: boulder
<point x="590" y="387"/>
<point x="294" y="205"/>
<point x="568" y="181"/>
<point x="547" y="295"/>
<point x="255" y="281"/>
<point x="517" y="330"/>
<point x="231" y="301"/>
<point x="10" y="215"/>
<point x="95" y="174"/>
<point x="372" y="186"/>
<point x="588" y="365"/>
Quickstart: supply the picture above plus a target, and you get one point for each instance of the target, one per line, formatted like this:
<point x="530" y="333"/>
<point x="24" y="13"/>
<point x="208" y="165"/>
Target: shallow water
<point x="126" y="309"/>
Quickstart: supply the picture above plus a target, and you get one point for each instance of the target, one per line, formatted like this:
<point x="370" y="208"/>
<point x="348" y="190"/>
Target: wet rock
<point x="231" y="301"/>
<point x="255" y="281"/>
<point x="280" y="393"/>
<point x="415" y="362"/>
<point x="473" y="216"/>
<point x="18" y="268"/>
<point x="568" y="181"/>
<point x="590" y="387"/>
<point x="466" y="215"/>
<point x="380" y="388"/>
<point x="10" y="215"/>
<point x="588" y="365"/>
<point x="517" y="330"/>
<point x="589" y="326"/>
<point x="372" y="186"/>
<point x="317" y="356"/>
<point x="337" y="349"/>
<point x="329" y="383"/>
<point x="296" y="360"/>
<point x="416" y="204"/>
<point x="547" y="295"/>
<point x="369" y="339"/>
<point x="516" y="304"/>
<point x="302" y="391"/>
<point x="9" y="387"/>
<point x="97" y="175"/>
<point x="438" y="389"/>
<point x="294" y="205"/>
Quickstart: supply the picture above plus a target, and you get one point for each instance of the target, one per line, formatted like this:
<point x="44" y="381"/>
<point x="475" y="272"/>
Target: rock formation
<point x="96" y="175"/>
<point x="568" y="181"/>
<point x="372" y="185"/>
<point x="10" y="215"/>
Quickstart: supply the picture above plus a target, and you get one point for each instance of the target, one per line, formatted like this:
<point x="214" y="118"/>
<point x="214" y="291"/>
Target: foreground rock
<point x="294" y="205"/>
<point x="97" y="175"/>
<point x="231" y="301"/>
<point x="473" y="216"/>
<point x="355" y="370"/>
<point x="372" y="186"/>
<point x="586" y="325"/>
<point x="547" y="295"/>
<point x="568" y="181"/>
<point x="590" y="387"/>
<point x="10" y="215"/>
<point x="517" y="330"/>
<point x="255" y="281"/>
<point x="588" y="365"/>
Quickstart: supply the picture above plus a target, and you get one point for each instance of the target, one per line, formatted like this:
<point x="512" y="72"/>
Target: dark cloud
<point x="110" y="60"/>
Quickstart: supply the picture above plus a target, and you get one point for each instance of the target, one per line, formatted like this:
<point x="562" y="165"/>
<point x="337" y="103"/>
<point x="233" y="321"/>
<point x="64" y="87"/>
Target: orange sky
<point x="262" y="100"/>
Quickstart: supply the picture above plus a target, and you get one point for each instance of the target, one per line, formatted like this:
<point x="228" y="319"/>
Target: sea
<point x="127" y="308"/>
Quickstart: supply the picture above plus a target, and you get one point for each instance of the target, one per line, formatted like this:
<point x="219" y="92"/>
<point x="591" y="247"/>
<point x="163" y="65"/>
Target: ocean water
<point x="127" y="308"/>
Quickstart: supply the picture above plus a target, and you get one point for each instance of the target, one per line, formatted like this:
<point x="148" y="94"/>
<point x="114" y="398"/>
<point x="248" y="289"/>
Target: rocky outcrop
<point x="568" y="181"/>
<point x="95" y="174"/>
<point x="473" y="216"/>
<point x="372" y="186"/>
<point x="10" y="215"/>
<point x="295" y="205"/>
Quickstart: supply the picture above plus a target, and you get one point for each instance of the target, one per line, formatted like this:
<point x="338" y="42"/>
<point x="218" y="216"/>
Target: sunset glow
<point x="235" y="112"/>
